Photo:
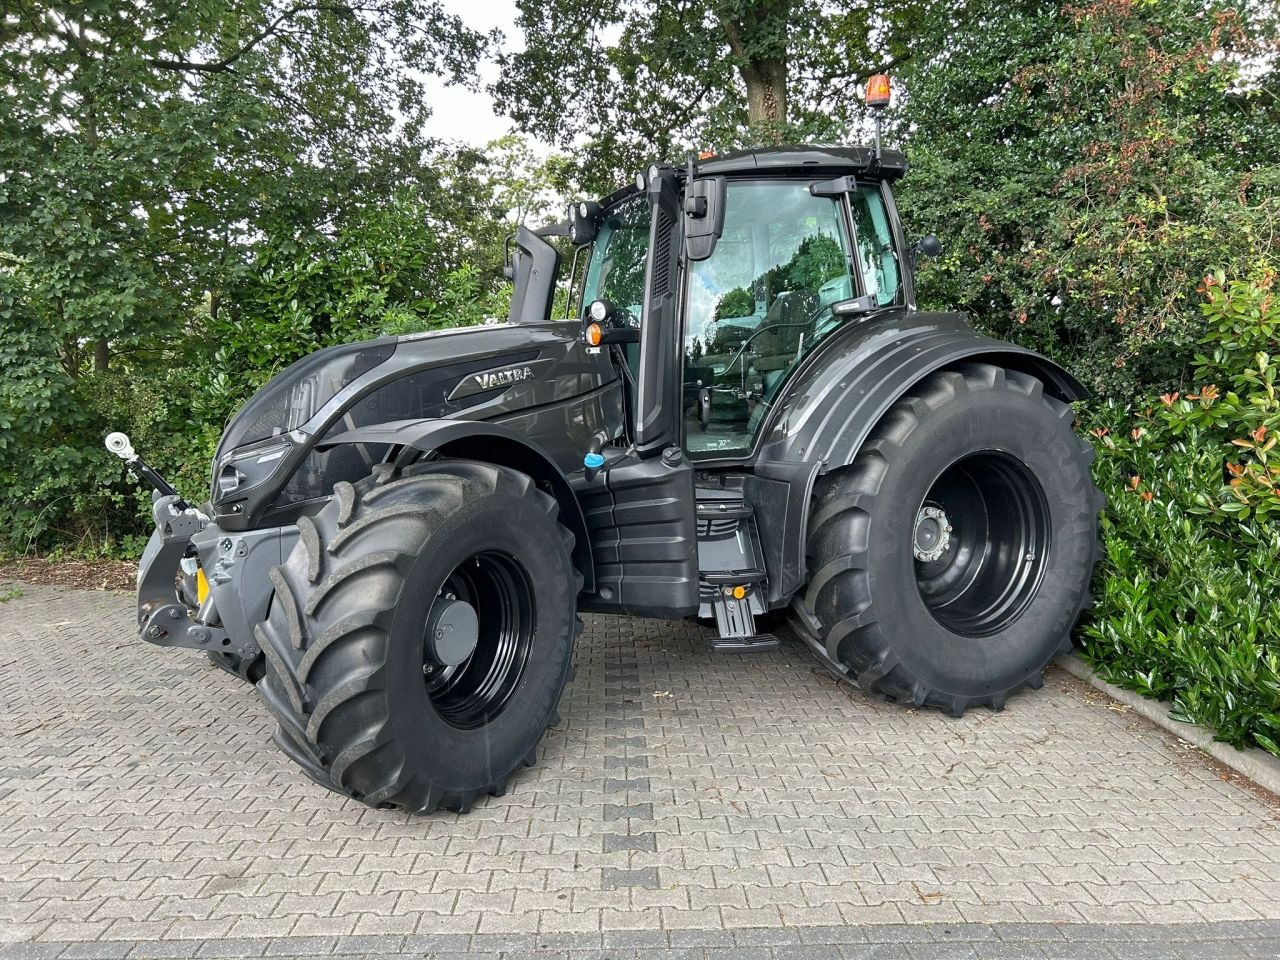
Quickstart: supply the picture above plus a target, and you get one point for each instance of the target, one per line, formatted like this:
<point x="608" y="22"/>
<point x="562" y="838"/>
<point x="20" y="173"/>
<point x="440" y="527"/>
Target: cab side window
<point x="756" y="305"/>
<point x="874" y="243"/>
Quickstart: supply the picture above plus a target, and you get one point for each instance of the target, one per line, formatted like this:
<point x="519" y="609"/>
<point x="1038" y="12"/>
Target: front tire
<point x="374" y="697"/>
<point x="950" y="561"/>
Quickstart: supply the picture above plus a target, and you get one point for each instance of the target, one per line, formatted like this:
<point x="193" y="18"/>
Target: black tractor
<point x="742" y="417"/>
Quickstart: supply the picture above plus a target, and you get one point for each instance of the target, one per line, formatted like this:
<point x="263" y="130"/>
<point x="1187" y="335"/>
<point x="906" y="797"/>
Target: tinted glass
<point x="876" y="255"/>
<point x="617" y="267"/>
<point x="757" y="304"/>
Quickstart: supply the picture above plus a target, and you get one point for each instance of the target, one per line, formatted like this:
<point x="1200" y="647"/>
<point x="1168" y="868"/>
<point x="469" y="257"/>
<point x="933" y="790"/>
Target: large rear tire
<point x="950" y="561"/>
<point x="374" y="696"/>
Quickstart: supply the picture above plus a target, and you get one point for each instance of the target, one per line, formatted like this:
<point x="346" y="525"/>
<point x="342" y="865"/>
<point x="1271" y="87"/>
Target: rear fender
<point x="490" y="443"/>
<point x="838" y="395"/>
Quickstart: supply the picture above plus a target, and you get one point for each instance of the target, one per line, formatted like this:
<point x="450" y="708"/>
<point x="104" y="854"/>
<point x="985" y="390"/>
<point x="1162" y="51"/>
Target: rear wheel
<point x="950" y="561"/>
<point x="421" y="634"/>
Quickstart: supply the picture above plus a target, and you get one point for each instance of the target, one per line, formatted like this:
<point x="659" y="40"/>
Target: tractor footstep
<point x="757" y="643"/>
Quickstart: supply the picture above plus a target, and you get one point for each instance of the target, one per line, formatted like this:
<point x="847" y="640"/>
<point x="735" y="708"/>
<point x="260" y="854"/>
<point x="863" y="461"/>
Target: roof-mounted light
<point x="878" y="93"/>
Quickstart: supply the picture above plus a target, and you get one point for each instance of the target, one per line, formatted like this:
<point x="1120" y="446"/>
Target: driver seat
<point x="788" y="322"/>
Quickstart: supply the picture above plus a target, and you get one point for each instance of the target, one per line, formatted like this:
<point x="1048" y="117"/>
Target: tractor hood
<point x="295" y="394"/>
<point x="487" y="372"/>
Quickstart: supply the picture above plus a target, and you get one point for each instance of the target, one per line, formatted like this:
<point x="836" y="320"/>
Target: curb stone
<point x="1251" y="763"/>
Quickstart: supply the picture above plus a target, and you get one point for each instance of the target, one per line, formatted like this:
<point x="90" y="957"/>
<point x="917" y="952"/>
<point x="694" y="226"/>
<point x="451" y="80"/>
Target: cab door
<point x="786" y="265"/>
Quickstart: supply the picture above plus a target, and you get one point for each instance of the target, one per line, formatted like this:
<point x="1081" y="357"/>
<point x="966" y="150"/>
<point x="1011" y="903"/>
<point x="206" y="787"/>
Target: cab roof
<point x="777" y="161"/>
<point x="860" y="161"/>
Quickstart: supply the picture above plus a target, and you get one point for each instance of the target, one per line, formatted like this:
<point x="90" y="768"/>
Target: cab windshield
<point x="619" y="256"/>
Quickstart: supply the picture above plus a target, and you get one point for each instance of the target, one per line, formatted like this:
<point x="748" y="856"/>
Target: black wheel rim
<point x="981" y="542"/>
<point x="476" y="691"/>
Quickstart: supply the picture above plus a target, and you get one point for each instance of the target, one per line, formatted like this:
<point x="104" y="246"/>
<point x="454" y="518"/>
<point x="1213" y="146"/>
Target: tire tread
<point x="835" y="613"/>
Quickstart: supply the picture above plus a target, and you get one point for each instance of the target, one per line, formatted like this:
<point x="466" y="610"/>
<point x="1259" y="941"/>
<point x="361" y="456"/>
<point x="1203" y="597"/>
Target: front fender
<point x="837" y="396"/>
<point x="491" y="443"/>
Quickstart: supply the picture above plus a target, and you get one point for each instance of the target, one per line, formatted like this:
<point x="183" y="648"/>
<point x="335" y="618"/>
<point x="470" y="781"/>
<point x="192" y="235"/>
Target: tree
<point x="634" y="80"/>
<point x="144" y="146"/>
<point x="147" y="151"/>
<point x="1085" y="164"/>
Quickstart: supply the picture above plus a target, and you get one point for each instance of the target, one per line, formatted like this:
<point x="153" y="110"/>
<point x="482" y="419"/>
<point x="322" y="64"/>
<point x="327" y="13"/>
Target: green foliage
<point x="625" y="83"/>
<point x="192" y="196"/>
<point x="1085" y="165"/>
<point x="1192" y="529"/>
<point x="387" y="269"/>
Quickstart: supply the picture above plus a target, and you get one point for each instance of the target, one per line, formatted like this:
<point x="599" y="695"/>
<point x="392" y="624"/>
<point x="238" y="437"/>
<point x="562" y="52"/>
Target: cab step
<point x="756" y="643"/>
<point x="732" y="579"/>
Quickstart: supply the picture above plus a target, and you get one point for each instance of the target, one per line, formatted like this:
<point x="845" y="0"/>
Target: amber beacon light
<point x="878" y="91"/>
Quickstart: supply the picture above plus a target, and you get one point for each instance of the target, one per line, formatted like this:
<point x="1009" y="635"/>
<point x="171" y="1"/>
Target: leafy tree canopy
<point x="143" y="146"/>
<point x="1085" y="164"/>
<point x="622" y="81"/>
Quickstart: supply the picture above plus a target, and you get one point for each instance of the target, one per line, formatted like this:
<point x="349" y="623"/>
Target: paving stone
<point x="635" y="784"/>
<point x="104" y="950"/>
<point x="614" y="879"/>
<point x="31" y="951"/>
<point x="766" y="937"/>
<point x="635" y="939"/>
<point x="578" y="940"/>
<point x="165" y="950"/>
<point x="437" y="942"/>
<point x="646" y="842"/>
<point x="142" y="797"/>
<point x="810" y="951"/>
<point x="233" y="947"/>
<point x="620" y="763"/>
<point x="632" y="811"/>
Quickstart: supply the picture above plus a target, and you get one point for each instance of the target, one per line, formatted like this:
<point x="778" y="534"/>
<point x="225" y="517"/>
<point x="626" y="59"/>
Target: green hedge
<point x="1187" y="594"/>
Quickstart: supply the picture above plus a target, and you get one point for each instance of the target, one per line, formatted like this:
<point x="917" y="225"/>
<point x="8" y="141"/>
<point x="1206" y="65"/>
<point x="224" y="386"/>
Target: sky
<point x="463" y="115"/>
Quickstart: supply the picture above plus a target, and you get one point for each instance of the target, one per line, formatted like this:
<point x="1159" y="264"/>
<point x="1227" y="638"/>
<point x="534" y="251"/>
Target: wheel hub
<point x="477" y="638"/>
<point x="453" y="630"/>
<point x="932" y="536"/>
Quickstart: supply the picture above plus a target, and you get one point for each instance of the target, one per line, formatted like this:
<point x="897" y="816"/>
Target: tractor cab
<point x="791" y="256"/>
<point x="721" y="278"/>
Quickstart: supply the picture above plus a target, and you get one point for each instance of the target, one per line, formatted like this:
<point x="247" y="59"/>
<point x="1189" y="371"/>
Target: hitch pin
<point x="118" y="443"/>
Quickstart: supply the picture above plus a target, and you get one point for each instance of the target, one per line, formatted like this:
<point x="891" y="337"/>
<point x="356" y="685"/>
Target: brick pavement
<point x="685" y="795"/>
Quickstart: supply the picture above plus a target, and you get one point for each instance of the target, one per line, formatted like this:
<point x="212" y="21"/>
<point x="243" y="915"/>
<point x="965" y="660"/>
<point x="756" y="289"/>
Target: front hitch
<point x="118" y="443"/>
<point x="163" y="618"/>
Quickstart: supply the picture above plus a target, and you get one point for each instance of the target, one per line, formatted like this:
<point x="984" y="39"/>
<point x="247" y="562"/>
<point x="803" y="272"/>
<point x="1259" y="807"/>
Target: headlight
<point x="248" y="467"/>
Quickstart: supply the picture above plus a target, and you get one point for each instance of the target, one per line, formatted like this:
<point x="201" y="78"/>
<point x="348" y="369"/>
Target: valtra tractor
<point x="742" y="417"/>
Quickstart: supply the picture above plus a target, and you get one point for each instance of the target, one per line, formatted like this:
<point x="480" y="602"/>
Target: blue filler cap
<point x="593" y="461"/>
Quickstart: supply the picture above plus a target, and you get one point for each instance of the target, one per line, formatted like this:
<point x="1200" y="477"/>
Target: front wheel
<point x="421" y="634"/>
<point x="950" y="561"/>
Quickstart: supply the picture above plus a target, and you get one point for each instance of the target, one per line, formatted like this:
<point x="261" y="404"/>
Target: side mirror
<point x="703" y="216"/>
<point x="930" y="246"/>
<point x="598" y="325"/>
